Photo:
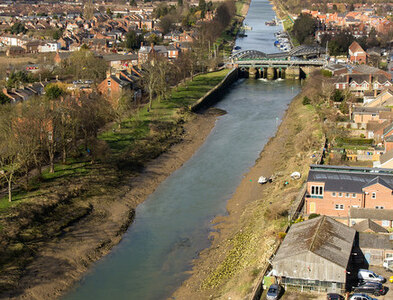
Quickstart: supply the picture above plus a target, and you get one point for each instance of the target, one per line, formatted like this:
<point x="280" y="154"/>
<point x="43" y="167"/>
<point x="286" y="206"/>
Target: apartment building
<point x="334" y="190"/>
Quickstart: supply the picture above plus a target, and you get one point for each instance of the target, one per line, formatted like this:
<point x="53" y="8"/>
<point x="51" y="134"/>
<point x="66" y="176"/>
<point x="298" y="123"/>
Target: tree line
<point x="34" y="133"/>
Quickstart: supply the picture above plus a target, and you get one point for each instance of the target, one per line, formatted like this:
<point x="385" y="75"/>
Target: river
<point x="171" y="227"/>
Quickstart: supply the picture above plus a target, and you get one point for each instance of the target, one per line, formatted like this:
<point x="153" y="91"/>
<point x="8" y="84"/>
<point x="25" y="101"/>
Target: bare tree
<point x="9" y="150"/>
<point x="149" y="81"/>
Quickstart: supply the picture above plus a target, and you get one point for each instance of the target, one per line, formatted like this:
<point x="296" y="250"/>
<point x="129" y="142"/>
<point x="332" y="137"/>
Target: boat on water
<point x="242" y="33"/>
<point x="273" y="22"/>
<point x="237" y="48"/>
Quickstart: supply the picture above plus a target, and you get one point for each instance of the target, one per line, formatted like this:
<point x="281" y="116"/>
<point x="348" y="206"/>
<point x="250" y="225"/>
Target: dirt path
<point x="62" y="261"/>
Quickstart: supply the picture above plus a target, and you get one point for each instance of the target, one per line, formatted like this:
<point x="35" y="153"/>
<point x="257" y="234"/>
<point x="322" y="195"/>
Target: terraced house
<point x="334" y="190"/>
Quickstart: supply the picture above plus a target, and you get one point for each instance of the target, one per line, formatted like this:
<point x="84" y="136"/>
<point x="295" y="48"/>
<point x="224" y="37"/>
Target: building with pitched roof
<point x="380" y="216"/>
<point x="356" y="53"/>
<point x="369" y="226"/>
<point x="316" y="254"/>
<point x="334" y="190"/>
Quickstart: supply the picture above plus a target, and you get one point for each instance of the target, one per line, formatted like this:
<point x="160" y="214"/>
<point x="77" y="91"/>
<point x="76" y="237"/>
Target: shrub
<point x="326" y="73"/>
<point x="362" y="136"/>
<point x="306" y="100"/>
<point x="298" y="220"/>
<point x="313" y="216"/>
<point x="281" y="235"/>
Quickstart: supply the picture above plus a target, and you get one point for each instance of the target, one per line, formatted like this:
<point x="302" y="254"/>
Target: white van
<point x="388" y="264"/>
<point x="367" y="275"/>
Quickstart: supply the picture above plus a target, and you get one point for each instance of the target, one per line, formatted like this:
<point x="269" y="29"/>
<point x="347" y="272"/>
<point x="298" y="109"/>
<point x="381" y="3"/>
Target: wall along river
<point x="171" y="227"/>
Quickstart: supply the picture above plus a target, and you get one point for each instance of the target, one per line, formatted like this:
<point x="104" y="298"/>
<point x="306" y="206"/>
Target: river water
<point x="171" y="227"/>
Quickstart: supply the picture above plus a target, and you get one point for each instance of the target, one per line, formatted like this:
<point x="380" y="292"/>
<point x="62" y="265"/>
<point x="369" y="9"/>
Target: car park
<point x="361" y="297"/>
<point x="273" y="292"/>
<point x="374" y="288"/>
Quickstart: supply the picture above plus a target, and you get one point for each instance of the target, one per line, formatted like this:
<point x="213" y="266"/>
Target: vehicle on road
<point x="361" y="297"/>
<point x="273" y="292"/>
<point x="375" y="288"/>
<point x="388" y="264"/>
<point x="367" y="275"/>
<point x="334" y="296"/>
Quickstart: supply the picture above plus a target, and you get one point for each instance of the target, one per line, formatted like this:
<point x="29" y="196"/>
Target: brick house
<point x="334" y="190"/>
<point x="359" y="84"/>
<point x="147" y="52"/>
<point x="357" y="54"/>
<point x="113" y="86"/>
<point x="367" y="114"/>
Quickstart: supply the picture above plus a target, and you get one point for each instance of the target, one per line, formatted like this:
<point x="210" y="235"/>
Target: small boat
<point x="237" y="48"/>
<point x="262" y="180"/>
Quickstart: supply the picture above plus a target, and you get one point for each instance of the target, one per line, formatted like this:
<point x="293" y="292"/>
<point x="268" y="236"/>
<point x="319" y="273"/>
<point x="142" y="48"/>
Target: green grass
<point x="137" y="127"/>
<point x="70" y="169"/>
<point x="133" y="130"/>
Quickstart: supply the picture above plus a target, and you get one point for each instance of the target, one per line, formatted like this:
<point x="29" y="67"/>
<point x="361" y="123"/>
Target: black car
<point x="374" y="288"/>
<point x="334" y="296"/>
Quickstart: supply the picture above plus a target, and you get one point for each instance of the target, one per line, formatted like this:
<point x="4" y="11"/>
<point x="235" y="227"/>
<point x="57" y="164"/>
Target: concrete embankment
<point x="216" y="93"/>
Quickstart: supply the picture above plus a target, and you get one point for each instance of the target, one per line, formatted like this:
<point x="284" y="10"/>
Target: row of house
<point x="353" y="18"/>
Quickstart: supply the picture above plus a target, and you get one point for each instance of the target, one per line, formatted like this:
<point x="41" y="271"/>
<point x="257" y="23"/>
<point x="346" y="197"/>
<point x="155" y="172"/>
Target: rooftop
<point x="349" y="179"/>
<point x="366" y="225"/>
<point x="371" y="213"/>
<point x="375" y="241"/>
<point x="322" y="236"/>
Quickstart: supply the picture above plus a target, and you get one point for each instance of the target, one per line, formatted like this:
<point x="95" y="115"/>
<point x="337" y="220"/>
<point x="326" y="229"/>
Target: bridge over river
<point x="294" y="64"/>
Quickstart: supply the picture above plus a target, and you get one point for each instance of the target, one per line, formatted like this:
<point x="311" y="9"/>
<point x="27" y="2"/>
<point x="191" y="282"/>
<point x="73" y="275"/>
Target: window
<point x="317" y="190"/>
<point x="346" y="195"/>
<point x="373" y="195"/>
<point x="356" y="206"/>
<point x="340" y="194"/>
<point x="379" y="207"/>
<point x="339" y="207"/>
<point x="334" y="194"/>
<point x="385" y="223"/>
<point x="353" y="195"/>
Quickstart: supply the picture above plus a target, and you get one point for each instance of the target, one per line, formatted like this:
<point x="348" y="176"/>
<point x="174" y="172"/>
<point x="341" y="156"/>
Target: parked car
<point x="367" y="275"/>
<point x="374" y="288"/>
<point x="334" y="296"/>
<point x="361" y="297"/>
<point x="273" y="292"/>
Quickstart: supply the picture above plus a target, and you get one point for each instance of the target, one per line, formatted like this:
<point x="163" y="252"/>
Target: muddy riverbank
<point x="62" y="261"/>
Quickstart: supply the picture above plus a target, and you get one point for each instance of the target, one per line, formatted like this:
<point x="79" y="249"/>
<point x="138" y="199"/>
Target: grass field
<point x="138" y="127"/>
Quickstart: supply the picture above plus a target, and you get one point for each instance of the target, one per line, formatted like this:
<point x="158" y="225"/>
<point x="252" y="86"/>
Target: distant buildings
<point x="357" y="54"/>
